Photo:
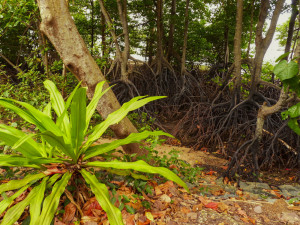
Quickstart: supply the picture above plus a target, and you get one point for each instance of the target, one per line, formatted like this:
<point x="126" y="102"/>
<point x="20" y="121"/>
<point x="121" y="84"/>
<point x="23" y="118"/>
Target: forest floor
<point x="214" y="200"/>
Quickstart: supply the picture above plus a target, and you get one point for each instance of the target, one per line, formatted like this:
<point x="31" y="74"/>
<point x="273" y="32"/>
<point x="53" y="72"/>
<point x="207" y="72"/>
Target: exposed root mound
<point x="202" y="114"/>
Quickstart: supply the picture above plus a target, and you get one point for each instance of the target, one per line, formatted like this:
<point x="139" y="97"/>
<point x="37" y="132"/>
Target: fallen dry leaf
<point x="222" y="207"/>
<point x="212" y="205"/>
<point x="69" y="213"/>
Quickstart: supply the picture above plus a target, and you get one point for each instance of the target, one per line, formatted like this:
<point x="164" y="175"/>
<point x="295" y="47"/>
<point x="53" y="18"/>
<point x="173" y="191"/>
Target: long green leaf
<point x="101" y="192"/>
<point x="7" y="202"/>
<point x="142" y="167"/>
<point x="16" y="184"/>
<point x="36" y="203"/>
<point x="14" y="213"/>
<point x="51" y="201"/>
<point x="26" y="115"/>
<point x="32" y="115"/>
<point x="59" y="142"/>
<point x="117" y="116"/>
<point x="19" y="161"/>
<point x="58" y="105"/>
<point x="10" y="136"/>
<point x="132" y="138"/>
<point x="78" y="119"/>
<point x="93" y="104"/>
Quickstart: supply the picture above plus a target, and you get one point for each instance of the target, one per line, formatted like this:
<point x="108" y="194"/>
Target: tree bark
<point x="295" y="12"/>
<point x="159" y="53"/>
<point x="185" y="37"/>
<point x="60" y="29"/>
<point x="262" y="44"/>
<point x="172" y="30"/>
<point x="251" y="28"/>
<point x="237" y="51"/>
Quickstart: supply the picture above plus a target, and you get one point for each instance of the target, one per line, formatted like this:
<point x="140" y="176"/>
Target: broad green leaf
<point x="51" y="201"/>
<point x="285" y="70"/>
<point x="6" y="202"/>
<point x="142" y="167"/>
<point x="294" y="125"/>
<point x="294" y="111"/>
<point x="101" y="192"/>
<point x="94" y="102"/>
<point x="58" y="104"/>
<point x="78" y="119"/>
<point x="117" y="116"/>
<point x="282" y="56"/>
<point x="132" y="138"/>
<point x="10" y="136"/>
<point x="59" y="142"/>
<point x="16" y="184"/>
<point x="14" y="213"/>
<point x="36" y="203"/>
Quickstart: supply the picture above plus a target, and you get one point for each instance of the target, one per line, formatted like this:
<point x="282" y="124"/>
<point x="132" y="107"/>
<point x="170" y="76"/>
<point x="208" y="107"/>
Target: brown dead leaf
<point x="222" y="207"/>
<point x="203" y="200"/>
<point x="218" y="192"/>
<point x="130" y="220"/>
<point x="69" y="213"/>
<point x="242" y="213"/>
<point x="251" y="220"/>
<point x="158" y="191"/>
<point x="245" y="219"/>
<point x="185" y="210"/>
<point x="198" y="207"/>
<point x="239" y="192"/>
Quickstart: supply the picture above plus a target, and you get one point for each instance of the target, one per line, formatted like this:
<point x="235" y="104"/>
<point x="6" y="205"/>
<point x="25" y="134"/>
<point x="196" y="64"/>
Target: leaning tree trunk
<point x="262" y="44"/>
<point x="185" y="37"/>
<point x="238" y="52"/>
<point x="60" y="29"/>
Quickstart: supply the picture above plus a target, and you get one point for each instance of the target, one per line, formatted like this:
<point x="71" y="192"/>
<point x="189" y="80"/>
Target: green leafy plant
<point x="63" y="148"/>
<point x="288" y="73"/>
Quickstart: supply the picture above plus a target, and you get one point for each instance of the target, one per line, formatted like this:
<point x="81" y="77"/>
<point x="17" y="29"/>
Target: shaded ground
<point x="214" y="201"/>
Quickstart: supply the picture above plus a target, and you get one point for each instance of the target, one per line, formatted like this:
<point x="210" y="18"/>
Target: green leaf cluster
<point x="66" y="145"/>
<point x="288" y="73"/>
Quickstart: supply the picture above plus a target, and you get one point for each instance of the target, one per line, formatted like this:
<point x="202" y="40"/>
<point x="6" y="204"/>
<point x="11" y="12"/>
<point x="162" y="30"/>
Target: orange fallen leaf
<point x="185" y="210"/>
<point x="212" y="205"/>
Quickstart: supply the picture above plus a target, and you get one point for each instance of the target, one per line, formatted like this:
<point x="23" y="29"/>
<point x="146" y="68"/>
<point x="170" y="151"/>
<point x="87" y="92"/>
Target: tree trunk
<point x="122" y="8"/>
<point x="172" y="30"/>
<point x="159" y="53"/>
<point x="103" y="35"/>
<point x="121" y="56"/>
<point x="92" y="25"/>
<point x="60" y="28"/>
<point x="237" y="51"/>
<point x="262" y="44"/>
<point x="251" y="28"/>
<point x="295" y="12"/>
<point x="185" y="37"/>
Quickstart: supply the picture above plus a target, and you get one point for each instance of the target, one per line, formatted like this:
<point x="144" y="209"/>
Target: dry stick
<point x="10" y="63"/>
<point x="70" y="197"/>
